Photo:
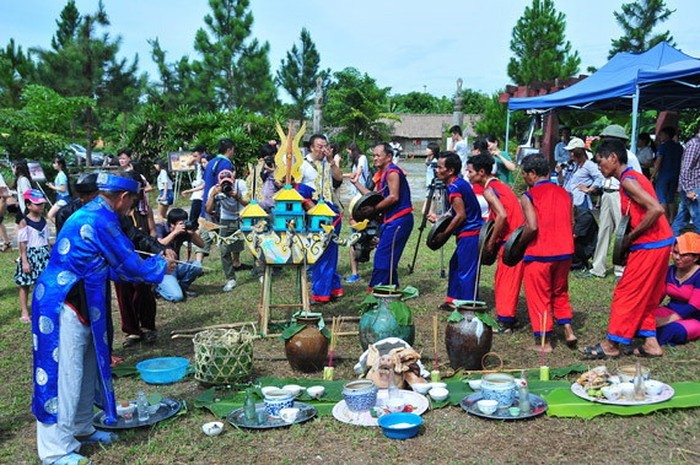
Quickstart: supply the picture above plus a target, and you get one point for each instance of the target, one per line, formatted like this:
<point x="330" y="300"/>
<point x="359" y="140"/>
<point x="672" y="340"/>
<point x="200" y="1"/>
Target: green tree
<point x="237" y="69"/>
<point x="494" y="120"/>
<point x="298" y="72"/>
<point x="16" y="70"/>
<point x="638" y="20"/>
<point x="541" y="50"/>
<point x="355" y="103"/>
<point x="419" y="102"/>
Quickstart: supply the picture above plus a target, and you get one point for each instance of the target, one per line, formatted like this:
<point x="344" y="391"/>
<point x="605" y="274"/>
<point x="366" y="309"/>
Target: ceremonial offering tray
<point x="168" y="407"/>
<point x="666" y="392"/>
<point x="341" y="412"/>
<point x="264" y="421"/>
<point x="537" y="407"/>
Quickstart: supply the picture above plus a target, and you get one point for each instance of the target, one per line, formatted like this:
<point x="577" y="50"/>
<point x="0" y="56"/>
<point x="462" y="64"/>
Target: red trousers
<point x="638" y="294"/>
<point x="547" y="293"/>
<point x="507" y="284"/>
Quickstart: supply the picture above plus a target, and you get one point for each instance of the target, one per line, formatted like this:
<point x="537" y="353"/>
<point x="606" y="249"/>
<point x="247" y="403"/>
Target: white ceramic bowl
<point x="267" y="389"/>
<point x="439" y="394"/>
<point x="422" y="388"/>
<point x="316" y="391"/>
<point x="129" y="411"/>
<point x="612" y="392"/>
<point x="653" y="387"/>
<point x="293" y="389"/>
<point x="213" y="428"/>
<point x="475" y="384"/>
<point x="438" y="384"/>
<point x="487" y="406"/>
<point x="395" y="404"/>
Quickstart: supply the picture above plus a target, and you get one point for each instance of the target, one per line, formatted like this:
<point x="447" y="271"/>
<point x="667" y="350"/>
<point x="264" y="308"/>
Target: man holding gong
<point x="649" y="242"/>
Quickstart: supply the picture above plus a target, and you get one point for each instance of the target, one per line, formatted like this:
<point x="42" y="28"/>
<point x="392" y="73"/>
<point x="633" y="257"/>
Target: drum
<point x="439" y="226"/>
<point x="619" y="257"/>
<point x="514" y="250"/>
<point x="370" y="199"/>
<point x="484" y="237"/>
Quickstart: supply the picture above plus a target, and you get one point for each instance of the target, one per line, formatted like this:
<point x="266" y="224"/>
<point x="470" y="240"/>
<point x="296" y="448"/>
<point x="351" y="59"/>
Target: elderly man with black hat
<point x="610" y="210"/>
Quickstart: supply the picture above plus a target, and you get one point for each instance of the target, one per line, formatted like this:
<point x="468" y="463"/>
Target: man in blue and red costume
<point x="397" y="212"/>
<point x="549" y="236"/>
<point x="649" y="242"/>
<point x="320" y="174"/>
<point x="70" y="322"/>
<point x="465" y="225"/>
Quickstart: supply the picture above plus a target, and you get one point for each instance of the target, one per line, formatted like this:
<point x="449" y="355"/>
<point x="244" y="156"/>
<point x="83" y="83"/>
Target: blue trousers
<point x="463" y="269"/>
<point x="383" y="265"/>
<point x="324" y="274"/>
<point x="687" y="210"/>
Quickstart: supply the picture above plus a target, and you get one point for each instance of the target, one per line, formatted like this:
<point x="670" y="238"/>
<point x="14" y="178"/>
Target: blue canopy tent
<point x="662" y="78"/>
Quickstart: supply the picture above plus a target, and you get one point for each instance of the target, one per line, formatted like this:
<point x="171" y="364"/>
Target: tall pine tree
<point x="298" y="72"/>
<point x="16" y="71"/>
<point x="541" y="50"/>
<point x="638" y="20"/>
<point x="237" y="69"/>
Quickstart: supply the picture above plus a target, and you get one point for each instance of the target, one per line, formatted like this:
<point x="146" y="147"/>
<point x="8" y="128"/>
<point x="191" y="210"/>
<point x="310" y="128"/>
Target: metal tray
<point x="168" y="408"/>
<point x="537" y="407"/>
<point x="237" y="417"/>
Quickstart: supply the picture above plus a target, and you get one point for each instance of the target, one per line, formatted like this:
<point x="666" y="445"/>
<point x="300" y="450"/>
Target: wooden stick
<point x="176" y="261"/>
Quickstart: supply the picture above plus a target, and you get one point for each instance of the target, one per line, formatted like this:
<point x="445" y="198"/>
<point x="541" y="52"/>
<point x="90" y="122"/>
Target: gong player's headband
<point x="110" y="182"/>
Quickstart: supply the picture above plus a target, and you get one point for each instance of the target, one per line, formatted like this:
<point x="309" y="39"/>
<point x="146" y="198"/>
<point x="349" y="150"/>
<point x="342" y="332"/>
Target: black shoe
<point x="150" y="337"/>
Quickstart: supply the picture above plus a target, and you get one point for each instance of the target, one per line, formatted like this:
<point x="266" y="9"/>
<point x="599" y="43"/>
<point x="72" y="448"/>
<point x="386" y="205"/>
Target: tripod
<point x="436" y="198"/>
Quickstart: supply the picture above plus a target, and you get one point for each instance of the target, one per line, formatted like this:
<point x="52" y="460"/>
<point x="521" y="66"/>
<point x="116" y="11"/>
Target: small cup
<point x="439" y="384"/>
<point x="487" y="406"/>
<point x="395" y="404"/>
<point x="612" y="392"/>
<point x="213" y="428"/>
<point x="293" y="389"/>
<point x="514" y="411"/>
<point x="316" y="391"/>
<point x="439" y="394"/>
<point x="289" y="415"/>
<point x="475" y="384"/>
<point x="627" y="390"/>
<point x="267" y="389"/>
<point x="653" y="387"/>
<point x="421" y="388"/>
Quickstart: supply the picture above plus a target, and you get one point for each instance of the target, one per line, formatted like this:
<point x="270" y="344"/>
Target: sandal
<point x="131" y="340"/>
<point x="73" y="459"/>
<point x="641" y="352"/>
<point x="5" y="247"/>
<point x="150" y="337"/>
<point x="596" y="352"/>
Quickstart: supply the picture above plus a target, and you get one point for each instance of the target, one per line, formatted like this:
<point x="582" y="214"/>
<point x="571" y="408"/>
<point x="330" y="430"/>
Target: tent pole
<point x="507" y="129"/>
<point x="635" y="115"/>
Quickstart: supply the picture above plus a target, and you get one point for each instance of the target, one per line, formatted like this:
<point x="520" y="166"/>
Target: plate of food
<point x="598" y="385"/>
<point x="412" y="402"/>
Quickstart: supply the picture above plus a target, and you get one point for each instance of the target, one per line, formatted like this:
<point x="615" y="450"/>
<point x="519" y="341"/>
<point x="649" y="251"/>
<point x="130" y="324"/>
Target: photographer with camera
<point x="174" y="233"/>
<point x="224" y="204"/>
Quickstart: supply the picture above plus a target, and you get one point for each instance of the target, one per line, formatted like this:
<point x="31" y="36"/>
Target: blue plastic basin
<point x="388" y="423"/>
<point x="163" y="370"/>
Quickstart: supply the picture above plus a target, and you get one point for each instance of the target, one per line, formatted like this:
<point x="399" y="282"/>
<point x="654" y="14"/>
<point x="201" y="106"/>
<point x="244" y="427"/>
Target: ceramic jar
<point x="379" y="323"/>
<point x="499" y="387"/>
<point x="277" y="400"/>
<point x="360" y="395"/>
<point x="307" y="350"/>
<point x="468" y="340"/>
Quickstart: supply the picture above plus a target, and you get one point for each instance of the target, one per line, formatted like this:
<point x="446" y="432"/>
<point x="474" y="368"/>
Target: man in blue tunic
<point x="465" y="225"/>
<point x="397" y="211"/>
<point x="69" y="328"/>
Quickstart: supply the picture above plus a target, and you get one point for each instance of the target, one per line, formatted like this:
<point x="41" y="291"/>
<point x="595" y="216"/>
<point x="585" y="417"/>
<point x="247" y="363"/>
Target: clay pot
<point x="307" y="350"/>
<point x="468" y="340"/>
<point x="379" y="323"/>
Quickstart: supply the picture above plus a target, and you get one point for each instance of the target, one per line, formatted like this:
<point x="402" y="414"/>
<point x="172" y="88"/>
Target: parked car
<point x="76" y="154"/>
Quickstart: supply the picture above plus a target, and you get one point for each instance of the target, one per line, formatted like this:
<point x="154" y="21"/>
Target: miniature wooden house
<point x="321" y="214"/>
<point x="251" y="215"/>
<point x="288" y="208"/>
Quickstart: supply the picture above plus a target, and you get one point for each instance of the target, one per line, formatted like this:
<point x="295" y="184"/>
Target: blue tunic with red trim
<point x="461" y="188"/>
<point x="404" y="205"/>
<point x="555" y="236"/>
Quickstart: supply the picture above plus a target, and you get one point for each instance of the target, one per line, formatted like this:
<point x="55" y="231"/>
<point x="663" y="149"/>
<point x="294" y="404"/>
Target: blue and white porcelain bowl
<point x="360" y="395"/>
<point x="499" y="387"/>
<point x="276" y="401"/>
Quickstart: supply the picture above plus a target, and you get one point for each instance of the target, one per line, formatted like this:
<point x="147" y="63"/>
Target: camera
<point x="227" y="187"/>
<point x="191" y="225"/>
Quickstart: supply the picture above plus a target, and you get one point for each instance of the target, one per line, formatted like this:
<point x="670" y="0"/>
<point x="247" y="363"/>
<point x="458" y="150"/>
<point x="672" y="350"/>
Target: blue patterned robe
<point x="91" y="247"/>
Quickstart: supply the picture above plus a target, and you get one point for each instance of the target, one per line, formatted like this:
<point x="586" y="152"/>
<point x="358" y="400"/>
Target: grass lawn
<point x="450" y="435"/>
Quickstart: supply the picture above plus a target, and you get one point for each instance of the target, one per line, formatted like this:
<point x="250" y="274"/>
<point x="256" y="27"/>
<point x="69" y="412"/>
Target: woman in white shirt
<point x="165" y="189"/>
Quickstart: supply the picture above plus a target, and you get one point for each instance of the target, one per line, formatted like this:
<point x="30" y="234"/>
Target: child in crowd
<point x="33" y="242"/>
<point x="61" y="186"/>
<point x="165" y="189"/>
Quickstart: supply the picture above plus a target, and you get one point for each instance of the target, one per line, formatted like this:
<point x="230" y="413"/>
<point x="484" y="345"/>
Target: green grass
<point x="449" y="435"/>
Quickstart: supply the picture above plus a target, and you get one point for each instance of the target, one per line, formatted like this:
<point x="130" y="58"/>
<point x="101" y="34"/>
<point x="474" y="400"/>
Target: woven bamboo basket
<point x="224" y="356"/>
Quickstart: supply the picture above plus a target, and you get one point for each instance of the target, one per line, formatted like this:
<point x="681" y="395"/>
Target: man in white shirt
<point x="459" y="145"/>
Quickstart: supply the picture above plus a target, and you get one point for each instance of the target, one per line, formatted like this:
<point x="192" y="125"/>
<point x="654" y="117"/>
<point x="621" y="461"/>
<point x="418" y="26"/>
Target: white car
<point x="77" y="154"/>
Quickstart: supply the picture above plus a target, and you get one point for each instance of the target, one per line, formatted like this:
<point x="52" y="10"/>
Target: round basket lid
<point x="513" y="250"/>
<point x="370" y="199"/>
<point x="484" y="237"/>
<point x="439" y="226"/>
<point x="619" y="257"/>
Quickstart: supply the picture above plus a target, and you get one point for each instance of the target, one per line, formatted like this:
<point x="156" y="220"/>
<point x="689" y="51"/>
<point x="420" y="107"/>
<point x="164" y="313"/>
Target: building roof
<point x="428" y="126"/>
<point x="253" y="210"/>
<point x="321" y="209"/>
<point x="288" y="193"/>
